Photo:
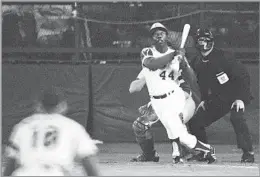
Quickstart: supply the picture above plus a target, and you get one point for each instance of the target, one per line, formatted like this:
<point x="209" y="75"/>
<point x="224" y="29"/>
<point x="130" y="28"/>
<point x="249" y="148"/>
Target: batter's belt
<point x="162" y="96"/>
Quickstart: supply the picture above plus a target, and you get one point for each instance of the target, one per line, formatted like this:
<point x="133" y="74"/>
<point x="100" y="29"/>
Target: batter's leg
<point x="176" y="150"/>
<point x="187" y="113"/>
<point x="191" y="142"/>
<point x="197" y="125"/>
<point x="189" y="110"/>
<point x="178" y="133"/>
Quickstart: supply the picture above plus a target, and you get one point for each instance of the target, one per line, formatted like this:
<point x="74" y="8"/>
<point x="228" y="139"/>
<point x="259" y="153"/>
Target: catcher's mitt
<point x="148" y="114"/>
<point x="147" y="110"/>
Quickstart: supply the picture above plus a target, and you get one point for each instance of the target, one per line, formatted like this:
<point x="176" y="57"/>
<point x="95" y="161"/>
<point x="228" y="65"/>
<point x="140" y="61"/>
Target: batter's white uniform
<point x="48" y="145"/>
<point x="164" y="81"/>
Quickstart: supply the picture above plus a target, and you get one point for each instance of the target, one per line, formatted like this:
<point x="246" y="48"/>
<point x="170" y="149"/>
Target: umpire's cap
<point x="159" y="26"/>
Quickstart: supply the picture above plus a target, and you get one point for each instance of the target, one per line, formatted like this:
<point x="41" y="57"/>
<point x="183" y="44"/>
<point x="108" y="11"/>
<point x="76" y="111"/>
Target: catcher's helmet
<point x="159" y="26"/>
<point x="204" y="39"/>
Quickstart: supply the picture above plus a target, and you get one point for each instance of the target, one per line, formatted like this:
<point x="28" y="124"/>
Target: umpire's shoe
<point x="146" y="158"/>
<point x="211" y="156"/>
<point x="247" y="158"/>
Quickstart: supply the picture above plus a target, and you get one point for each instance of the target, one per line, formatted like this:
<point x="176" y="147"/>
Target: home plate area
<point x="114" y="160"/>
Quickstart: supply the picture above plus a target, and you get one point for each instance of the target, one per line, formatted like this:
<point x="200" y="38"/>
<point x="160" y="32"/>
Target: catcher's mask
<point x="158" y="26"/>
<point x="204" y="40"/>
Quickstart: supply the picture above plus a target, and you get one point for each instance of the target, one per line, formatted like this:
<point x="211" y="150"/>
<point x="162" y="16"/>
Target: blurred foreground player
<point x="48" y="143"/>
<point x="225" y="87"/>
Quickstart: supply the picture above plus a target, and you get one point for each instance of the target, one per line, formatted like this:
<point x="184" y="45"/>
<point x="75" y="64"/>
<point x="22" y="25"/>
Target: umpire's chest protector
<point x="217" y="75"/>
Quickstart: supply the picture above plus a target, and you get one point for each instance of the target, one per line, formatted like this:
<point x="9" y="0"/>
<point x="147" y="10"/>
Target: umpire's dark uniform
<point x="222" y="80"/>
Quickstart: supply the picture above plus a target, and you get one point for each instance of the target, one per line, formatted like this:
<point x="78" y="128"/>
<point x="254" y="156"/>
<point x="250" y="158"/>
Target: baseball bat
<point x="185" y="33"/>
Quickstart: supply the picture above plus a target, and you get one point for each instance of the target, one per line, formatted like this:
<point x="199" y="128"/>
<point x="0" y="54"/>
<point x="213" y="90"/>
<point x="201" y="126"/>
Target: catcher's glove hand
<point x="149" y="114"/>
<point x="146" y="109"/>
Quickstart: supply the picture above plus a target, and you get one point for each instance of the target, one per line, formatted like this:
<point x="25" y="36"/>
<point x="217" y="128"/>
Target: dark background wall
<point x="113" y="108"/>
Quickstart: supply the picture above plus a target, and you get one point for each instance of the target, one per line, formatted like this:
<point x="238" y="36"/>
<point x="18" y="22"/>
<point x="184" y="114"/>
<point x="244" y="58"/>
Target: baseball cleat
<point x="177" y="160"/>
<point x="198" y="157"/>
<point x="144" y="158"/>
<point x="247" y="158"/>
<point x="210" y="156"/>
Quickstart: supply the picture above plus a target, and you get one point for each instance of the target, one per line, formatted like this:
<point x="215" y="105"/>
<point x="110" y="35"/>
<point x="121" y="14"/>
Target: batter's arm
<point x="137" y="85"/>
<point x="159" y="62"/>
<point x="154" y="63"/>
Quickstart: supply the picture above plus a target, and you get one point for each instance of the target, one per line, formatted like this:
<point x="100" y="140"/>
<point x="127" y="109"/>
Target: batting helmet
<point x="157" y="26"/>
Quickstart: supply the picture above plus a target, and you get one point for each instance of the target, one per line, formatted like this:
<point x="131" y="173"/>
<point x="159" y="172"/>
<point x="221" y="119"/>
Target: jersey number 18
<point x="49" y="139"/>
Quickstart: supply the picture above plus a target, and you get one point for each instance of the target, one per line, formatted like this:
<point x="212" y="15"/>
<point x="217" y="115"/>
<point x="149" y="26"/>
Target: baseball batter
<point x="148" y="117"/>
<point x="188" y="83"/>
<point x="48" y="143"/>
<point x="161" y="70"/>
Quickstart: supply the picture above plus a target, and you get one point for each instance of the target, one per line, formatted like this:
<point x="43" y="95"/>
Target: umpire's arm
<point x="240" y="78"/>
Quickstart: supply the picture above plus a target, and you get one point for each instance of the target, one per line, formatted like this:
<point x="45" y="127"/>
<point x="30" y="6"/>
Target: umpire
<point x="225" y="87"/>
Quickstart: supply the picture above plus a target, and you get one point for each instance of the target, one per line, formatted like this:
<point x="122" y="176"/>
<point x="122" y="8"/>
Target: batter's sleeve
<point x="146" y="53"/>
<point x="185" y="87"/>
<point x="85" y="145"/>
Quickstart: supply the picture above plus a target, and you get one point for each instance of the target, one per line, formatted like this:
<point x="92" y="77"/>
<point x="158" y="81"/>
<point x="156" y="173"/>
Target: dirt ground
<point x="114" y="160"/>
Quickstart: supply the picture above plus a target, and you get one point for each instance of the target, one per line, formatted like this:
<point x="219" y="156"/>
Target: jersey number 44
<point x="163" y="75"/>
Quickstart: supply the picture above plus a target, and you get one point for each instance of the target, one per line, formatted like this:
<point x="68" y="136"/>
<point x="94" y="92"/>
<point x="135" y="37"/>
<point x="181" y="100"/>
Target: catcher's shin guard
<point x="145" y="139"/>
